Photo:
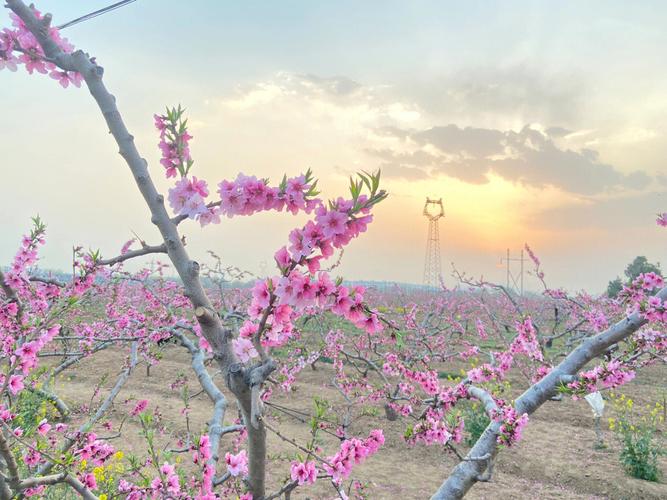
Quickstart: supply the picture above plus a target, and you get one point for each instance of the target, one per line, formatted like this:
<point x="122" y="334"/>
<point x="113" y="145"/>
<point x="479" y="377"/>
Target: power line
<point x="104" y="10"/>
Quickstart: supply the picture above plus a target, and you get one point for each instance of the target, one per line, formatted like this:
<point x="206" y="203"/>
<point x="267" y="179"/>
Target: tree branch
<point x="467" y="473"/>
<point x="146" y="250"/>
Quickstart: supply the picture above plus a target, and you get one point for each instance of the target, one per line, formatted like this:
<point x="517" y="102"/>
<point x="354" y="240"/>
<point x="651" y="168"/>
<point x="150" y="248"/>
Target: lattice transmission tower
<point x="433" y="211"/>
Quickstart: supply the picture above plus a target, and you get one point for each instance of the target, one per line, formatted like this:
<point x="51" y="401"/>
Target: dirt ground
<point x="555" y="460"/>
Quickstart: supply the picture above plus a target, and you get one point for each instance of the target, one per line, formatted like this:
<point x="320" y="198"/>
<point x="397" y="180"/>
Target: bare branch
<point x="146" y="250"/>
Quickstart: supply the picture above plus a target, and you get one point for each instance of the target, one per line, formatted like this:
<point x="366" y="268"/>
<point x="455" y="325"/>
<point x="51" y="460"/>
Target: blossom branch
<point x="104" y="407"/>
<point x="465" y="474"/>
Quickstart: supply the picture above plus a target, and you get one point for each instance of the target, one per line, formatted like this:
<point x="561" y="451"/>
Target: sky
<point x="535" y="122"/>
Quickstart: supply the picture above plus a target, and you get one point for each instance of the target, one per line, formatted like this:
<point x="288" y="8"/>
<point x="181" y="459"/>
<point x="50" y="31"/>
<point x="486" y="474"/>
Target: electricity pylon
<point x="432" y="263"/>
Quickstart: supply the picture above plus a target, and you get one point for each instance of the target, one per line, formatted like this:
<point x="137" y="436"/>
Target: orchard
<point x="420" y="361"/>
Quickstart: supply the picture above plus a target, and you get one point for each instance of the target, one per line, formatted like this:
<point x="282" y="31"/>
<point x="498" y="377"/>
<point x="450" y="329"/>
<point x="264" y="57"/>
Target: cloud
<point x="529" y="157"/>
<point x="635" y="210"/>
<point x="511" y="94"/>
<point x="284" y="85"/>
<point x="558" y="132"/>
<point x="410" y="144"/>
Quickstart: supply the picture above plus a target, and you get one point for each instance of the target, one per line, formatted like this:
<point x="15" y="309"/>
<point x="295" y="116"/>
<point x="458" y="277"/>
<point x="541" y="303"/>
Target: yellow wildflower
<point x="99" y="473"/>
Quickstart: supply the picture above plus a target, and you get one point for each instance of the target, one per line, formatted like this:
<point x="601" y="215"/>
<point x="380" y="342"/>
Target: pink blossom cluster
<point x="94" y="450"/>
<point x="168" y="484"/>
<point x="496" y="372"/>
<point x="174" y="142"/>
<point x="288" y="373"/>
<point x="654" y="309"/>
<point x="641" y="299"/>
<point x="643" y="284"/>
<point x="30" y="53"/>
<point x="303" y="472"/>
<point x="481" y="329"/>
<point x="662" y="219"/>
<point x="649" y="281"/>
<point x="23" y="334"/>
<point x="187" y="197"/>
<point x="532" y="255"/>
<point x="649" y="340"/>
<point x="353" y="452"/>
<point x="470" y="352"/>
<point x="541" y="372"/>
<point x="237" y="464"/>
<point x="448" y="397"/>
<point x="598" y="319"/>
<point x="403" y="410"/>
<point x="433" y="428"/>
<point x="333" y="227"/>
<point x="244" y="349"/>
<point x="526" y="340"/>
<point x="26" y="256"/>
<point x="277" y="302"/>
<point x="510" y="430"/>
<point x="22" y="357"/>
<point x="247" y="195"/>
<point x="428" y="379"/>
<point x="139" y="407"/>
<point x="608" y="375"/>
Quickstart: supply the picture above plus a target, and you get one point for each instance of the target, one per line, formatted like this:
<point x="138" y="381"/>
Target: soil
<point x="556" y="459"/>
